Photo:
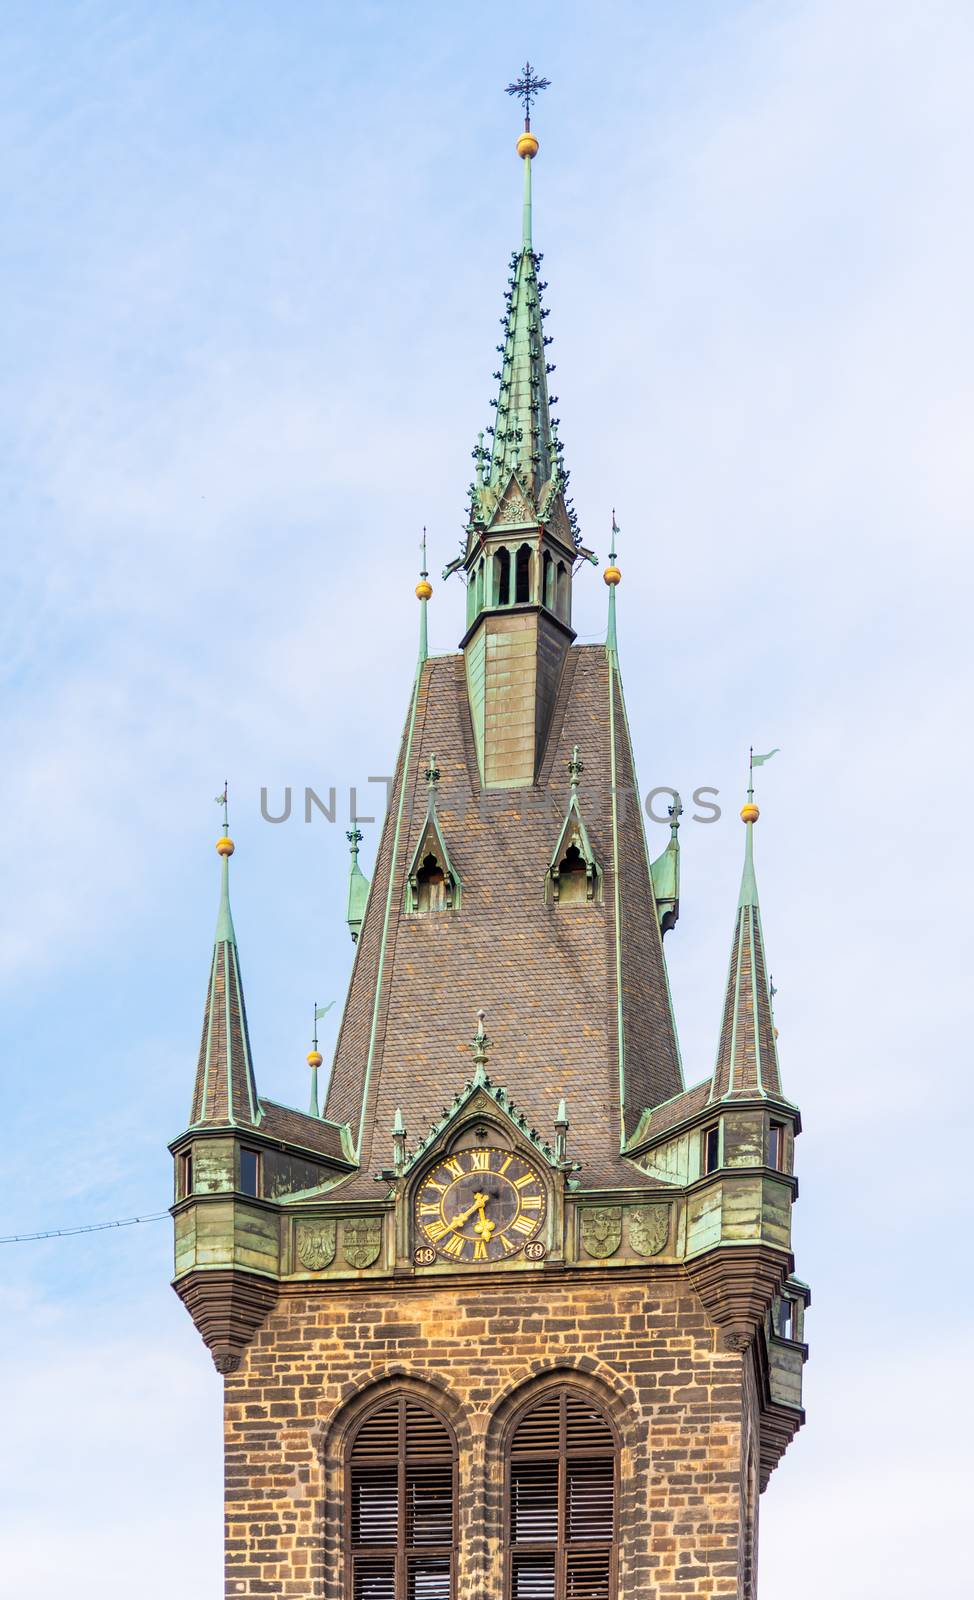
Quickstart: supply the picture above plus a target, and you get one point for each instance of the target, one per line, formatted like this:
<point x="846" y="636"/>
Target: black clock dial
<point x="480" y="1205"/>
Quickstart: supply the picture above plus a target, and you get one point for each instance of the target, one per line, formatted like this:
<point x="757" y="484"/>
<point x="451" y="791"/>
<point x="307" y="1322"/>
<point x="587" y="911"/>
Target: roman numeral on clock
<point x="454" y="1246"/>
<point x="454" y="1166"/>
<point x="436" y="1229"/>
<point x="481" y="1160"/>
<point x="523" y="1224"/>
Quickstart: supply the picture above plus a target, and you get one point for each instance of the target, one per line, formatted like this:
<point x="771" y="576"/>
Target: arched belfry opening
<point x="522" y="575"/>
<point x="502" y="577"/>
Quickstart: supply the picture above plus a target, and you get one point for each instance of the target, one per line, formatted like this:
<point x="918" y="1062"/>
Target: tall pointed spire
<point x="424" y="589"/>
<point x="525" y="435"/>
<point x="314" y="1060"/>
<point x="225" y="1090"/>
<point x="613" y="578"/>
<point x="747" y="1055"/>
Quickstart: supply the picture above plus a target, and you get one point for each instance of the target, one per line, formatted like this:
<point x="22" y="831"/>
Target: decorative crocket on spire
<point x="225" y="1090"/>
<point x="747" y="1055"/>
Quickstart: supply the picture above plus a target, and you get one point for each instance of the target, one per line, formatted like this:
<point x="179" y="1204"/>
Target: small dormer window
<point x="785" y="1320"/>
<point x="185" y="1180"/>
<point x="572" y="878"/>
<point x="431" y="884"/>
<point x="711" y="1148"/>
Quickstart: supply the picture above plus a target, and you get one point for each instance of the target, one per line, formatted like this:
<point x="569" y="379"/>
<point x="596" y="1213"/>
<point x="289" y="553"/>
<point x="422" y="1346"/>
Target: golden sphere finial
<point x="612" y="575"/>
<point x="527" y="145"/>
<point x="424" y="589"/>
<point x="314" y="1058"/>
<point x="225" y="846"/>
<point x="749" y="812"/>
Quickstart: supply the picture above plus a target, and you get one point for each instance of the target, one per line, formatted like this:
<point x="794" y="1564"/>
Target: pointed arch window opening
<point x="562" y="1493"/>
<point x="522" y="575"/>
<point x="561" y="592"/>
<point x="502" y="577"/>
<point x="433" y="884"/>
<point x="574" y="876"/>
<point x="400" y="1504"/>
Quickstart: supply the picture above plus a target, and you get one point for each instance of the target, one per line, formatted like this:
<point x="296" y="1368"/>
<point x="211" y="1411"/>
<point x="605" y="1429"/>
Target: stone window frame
<point x="560" y="1384"/>
<point x="402" y="1395"/>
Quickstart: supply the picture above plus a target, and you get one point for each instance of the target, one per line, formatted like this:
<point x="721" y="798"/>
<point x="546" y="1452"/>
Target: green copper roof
<point x="525" y="443"/>
<point x="224" y="921"/>
<point x="747" y="1054"/>
<point x="225" y="1090"/>
<point x="358" y="887"/>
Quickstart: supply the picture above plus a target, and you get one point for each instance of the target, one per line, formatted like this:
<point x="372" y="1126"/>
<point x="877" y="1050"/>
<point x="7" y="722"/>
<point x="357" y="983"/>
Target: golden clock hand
<point x="479" y="1201"/>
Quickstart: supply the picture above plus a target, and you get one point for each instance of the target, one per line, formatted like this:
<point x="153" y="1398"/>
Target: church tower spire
<point x="747" y="1055"/>
<point x="522" y="541"/>
<point x="225" y="1090"/>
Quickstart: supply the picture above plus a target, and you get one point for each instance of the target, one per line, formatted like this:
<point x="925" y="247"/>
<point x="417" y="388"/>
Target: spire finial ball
<point x="225" y="846"/>
<point x="750" y="812"/>
<point x="612" y="576"/>
<point x="527" y="145"/>
<point x="314" y="1058"/>
<point x="423" y="589"/>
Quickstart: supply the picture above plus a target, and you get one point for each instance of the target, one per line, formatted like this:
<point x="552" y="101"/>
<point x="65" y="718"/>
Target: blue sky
<point x="253" y="262"/>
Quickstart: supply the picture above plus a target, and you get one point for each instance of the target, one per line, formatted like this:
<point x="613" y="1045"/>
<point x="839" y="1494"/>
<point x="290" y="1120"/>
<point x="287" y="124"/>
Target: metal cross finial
<point x="221" y="800"/>
<point x="355" y="837"/>
<point x="422" y="545"/>
<point x="575" y="767"/>
<point x="527" y="87"/>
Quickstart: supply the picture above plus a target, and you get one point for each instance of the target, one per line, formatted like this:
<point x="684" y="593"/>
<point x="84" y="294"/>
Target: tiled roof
<point x="544" y="973"/>
<point x="225" y="1091"/>
<point x="298" y="1128"/>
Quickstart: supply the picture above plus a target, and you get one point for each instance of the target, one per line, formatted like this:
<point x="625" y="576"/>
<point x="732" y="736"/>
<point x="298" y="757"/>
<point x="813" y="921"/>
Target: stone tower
<point x="514" y="1316"/>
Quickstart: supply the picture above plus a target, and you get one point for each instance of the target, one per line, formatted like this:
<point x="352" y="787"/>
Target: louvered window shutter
<point x="562" y="1502"/>
<point x="401" y="1505"/>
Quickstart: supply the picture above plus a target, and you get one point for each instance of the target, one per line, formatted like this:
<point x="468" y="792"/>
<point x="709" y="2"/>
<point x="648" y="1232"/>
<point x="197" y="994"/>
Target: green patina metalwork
<point x="358" y="885"/>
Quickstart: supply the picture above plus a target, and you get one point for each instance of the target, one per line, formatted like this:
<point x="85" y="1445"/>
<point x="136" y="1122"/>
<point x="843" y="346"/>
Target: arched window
<point x="547" y="582"/>
<point x="561" y="601"/>
<point x="480" y="587"/>
<point x="502" y="577"/>
<point x="522" y="575"/>
<point x="562" y="1492"/>
<point x="400" y="1519"/>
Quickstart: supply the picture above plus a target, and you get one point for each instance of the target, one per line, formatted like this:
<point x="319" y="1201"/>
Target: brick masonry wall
<point x="644" y="1348"/>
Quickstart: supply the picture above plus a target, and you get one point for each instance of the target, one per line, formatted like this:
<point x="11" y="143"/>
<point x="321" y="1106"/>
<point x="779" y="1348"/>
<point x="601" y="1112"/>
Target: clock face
<point x="481" y="1205"/>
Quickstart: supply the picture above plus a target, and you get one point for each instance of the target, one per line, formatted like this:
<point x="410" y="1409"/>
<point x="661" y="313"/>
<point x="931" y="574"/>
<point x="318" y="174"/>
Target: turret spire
<point x="358" y="884"/>
<point x="613" y="577"/>
<point x="314" y="1059"/>
<point x="423" y="591"/>
<point x="747" y="1055"/>
<point x="225" y="1090"/>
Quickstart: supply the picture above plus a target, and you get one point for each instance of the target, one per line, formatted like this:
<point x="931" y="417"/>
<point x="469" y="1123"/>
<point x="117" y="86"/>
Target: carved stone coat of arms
<point x="649" y="1228"/>
<point x="602" y="1230"/>
<point x="361" y="1240"/>
<point x="315" y="1244"/>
